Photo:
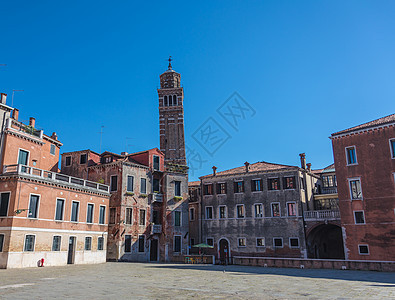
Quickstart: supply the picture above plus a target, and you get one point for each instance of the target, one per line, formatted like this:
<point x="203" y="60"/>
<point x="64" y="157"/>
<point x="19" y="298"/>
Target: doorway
<point x="153" y="256"/>
<point x="71" y="252"/>
<point x="325" y="242"/>
<point x="224" y="252"/>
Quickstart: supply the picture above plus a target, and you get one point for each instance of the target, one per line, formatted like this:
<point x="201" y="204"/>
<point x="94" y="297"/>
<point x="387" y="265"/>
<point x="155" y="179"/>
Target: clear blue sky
<point x="308" y="69"/>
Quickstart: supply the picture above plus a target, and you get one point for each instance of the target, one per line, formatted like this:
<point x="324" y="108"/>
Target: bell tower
<point x="171" y="117"/>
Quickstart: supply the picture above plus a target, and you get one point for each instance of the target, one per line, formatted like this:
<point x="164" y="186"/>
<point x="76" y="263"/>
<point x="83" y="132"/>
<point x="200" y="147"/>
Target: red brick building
<point x="365" y="169"/>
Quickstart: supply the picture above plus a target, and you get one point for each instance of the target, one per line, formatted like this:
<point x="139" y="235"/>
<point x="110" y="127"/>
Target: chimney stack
<point x="214" y="170"/>
<point x="303" y="160"/>
<point x="309" y="167"/>
<point x="32" y="122"/>
<point x="15" y="114"/>
<point x="3" y="98"/>
<point x="247" y="164"/>
<point x="54" y="136"/>
<point x="124" y="153"/>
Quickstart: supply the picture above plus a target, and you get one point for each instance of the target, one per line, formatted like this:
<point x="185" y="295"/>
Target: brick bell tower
<point x="171" y="117"/>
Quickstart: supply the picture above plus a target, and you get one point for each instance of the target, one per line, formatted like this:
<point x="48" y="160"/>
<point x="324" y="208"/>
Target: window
<point x="141" y="243"/>
<point x="23" y="157"/>
<point x="208" y="189"/>
<point x="363" y="249"/>
<point x="392" y="146"/>
<point x="165" y="101"/>
<point x="174" y="100"/>
<point x="191" y="214"/>
<point x="4" y="200"/>
<point x="128" y="243"/>
<point x="155" y="185"/>
<point x="177" y="188"/>
<point x="102" y="214"/>
<point x="301" y="183"/>
<point x="114" y="183"/>
<point x="273" y="184"/>
<point x="33" y="206"/>
<point x="239" y="186"/>
<point x="74" y="211"/>
<point x="112" y="215"/>
<point x="143" y="185"/>
<point x="129" y="185"/>
<point x="240" y="211"/>
<point x="88" y="243"/>
<point x="241" y="242"/>
<point x="359" y="217"/>
<point x="68" y="161"/>
<point x="355" y="189"/>
<point x="330" y="181"/>
<point x="100" y="243"/>
<point x="156" y="162"/>
<point x="29" y="242"/>
<point x="222" y="212"/>
<point x="59" y="210"/>
<point x="325" y="181"/>
<point x="209" y="212"/>
<point x="83" y="158"/>
<point x="221" y="188"/>
<point x="129" y="216"/>
<point x="260" y="242"/>
<point x="278" y="242"/>
<point x="291" y="206"/>
<point x="89" y="214"/>
<point x="1" y="242"/>
<point x="294" y="242"/>
<point x="177" y="243"/>
<point x="177" y="218"/>
<point x="351" y="156"/>
<point x="52" y="150"/>
<point x="289" y="182"/>
<point x="258" y="209"/>
<point x="210" y="241"/>
<point x="142" y="217"/>
<point x="276" y="210"/>
<point x="256" y="185"/>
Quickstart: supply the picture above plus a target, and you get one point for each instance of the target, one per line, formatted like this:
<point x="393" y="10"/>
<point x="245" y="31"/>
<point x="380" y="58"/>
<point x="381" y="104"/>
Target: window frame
<point x="253" y="185"/>
<point x="296" y="209"/>
<point x="87" y="212"/>
<point x="260" y="238"/>
<point x="104" y="215"/>
<point x="238" y="189"/>
<point x="65" y="161"/>
<point x="177" y="188"/>
<point x="85" y="244"/>
<point x="2" y="242"/>
<point x="56" y="208"/>
<point x="153" y="162"/>
<point x="38" y="206"/>
<point x="206" y="189"/>
<point x="350" y="189"/>
<point x="221" y="188"/>
<point x="241" y="239"/>
<point x="174" y="241"/>
<point x="78" y="211"/>
<point x="52" y="146"/>
<point x="392" y="147"/>
<point x="111" y="183"/>
<point x="8" y="204"/>
<point x="86" y="158"/>
<point x="290" y="245"/>
<point x="237" y="211"/>
<point x="141" y="185"/>
<point x="127" y="183"/>
<point x="274" y="243"/>
<point x="98" y="243"/>
<point x="279" y="209"/>
<point x="130" y="237"/>
<point x="212" y="212"/>
<point x="34" y="242"/>
<point x="28" y="155"/>
<point x="285" y="183"/>
<point x="142" y="219"/>
<point x="262" y="210"/>
<point x="355" y="217"/>
<point x="270" y="185"/>
<point x="355" y="154"/>
<point x="359" y="249"/>
<point x="177" y="212"/>
<point x="131" y="215"/>
<point x="207" y="241"/>
<point x="225" y="212"/>
<point x="191" y="214"/>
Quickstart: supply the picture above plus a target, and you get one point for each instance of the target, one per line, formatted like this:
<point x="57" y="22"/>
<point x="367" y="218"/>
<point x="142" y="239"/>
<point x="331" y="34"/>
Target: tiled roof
<point x="381" y="121"/>
<point x="255" y="167"/>
<point x="330" y="168"/>
<point x="193" y="183"/>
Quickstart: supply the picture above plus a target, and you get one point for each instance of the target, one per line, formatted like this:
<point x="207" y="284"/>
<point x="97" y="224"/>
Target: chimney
<point x="3" y="98"/>
<point x="54" y="136"/>
<point x="247" y="164"/>
<point x="15" y="114"/>
<point x="214" y="170"/>
<point x="303" y="160"/>
<point x="124" y="153"/>
<point x="309" y="167"/>
<point x="32" y="122"/>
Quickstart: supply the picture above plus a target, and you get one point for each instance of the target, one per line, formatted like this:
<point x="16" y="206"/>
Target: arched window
<point x="165" y="101"/>
<point x="170" y="100"/>
<point x="174" y="100"/>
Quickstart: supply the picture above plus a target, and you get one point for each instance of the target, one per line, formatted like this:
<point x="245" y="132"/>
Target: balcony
<point x="321" y="215"/>
<point x="54" y="177"/>
<point x="23" y="129"/>
<point x="155" y="228"/>
<point x="155" y="197"/>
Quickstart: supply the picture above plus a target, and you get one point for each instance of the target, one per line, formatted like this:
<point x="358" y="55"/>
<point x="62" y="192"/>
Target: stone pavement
<point x="178" y="281"/>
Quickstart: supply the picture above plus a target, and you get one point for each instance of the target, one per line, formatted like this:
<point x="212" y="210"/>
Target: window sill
<point x="348" y="165"/>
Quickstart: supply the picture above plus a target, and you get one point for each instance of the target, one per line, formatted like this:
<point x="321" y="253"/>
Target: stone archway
<point x="325" y="242"/>
<point x="224" y="250"/>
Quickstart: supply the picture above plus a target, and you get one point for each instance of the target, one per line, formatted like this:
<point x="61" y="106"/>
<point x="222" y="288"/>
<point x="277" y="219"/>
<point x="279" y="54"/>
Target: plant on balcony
<point x="129" y="194"/>
<point x="143" y="196"/>
<point x="101" y="180"/>
<point x="177" y="198"/>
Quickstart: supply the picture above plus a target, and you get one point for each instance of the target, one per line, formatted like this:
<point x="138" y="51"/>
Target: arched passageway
<point x="325" y="241"/>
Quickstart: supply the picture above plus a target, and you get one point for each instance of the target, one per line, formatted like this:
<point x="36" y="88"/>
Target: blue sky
<point x="307" y="68"/>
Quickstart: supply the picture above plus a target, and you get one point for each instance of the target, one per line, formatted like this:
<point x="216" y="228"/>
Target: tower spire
<point x="170" y="59"/>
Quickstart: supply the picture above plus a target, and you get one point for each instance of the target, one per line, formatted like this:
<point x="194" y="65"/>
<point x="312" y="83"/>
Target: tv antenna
<point x="101" y="136"/>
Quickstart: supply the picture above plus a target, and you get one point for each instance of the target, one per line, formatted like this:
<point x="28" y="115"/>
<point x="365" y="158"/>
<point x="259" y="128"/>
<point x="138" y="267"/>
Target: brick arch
<point x="325" y="241"/>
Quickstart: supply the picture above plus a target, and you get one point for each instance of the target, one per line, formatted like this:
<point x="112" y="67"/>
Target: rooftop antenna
<point x="127" y="145"/>
<point x="101" y="136"/>
<point x="170" y="59"/>
<point x="12" y="99"/>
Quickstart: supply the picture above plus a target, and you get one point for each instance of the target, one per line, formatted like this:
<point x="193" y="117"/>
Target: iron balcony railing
<point x="322" y="215"/>
<point x="155" y="197"/>
<point x="56" y="177"/>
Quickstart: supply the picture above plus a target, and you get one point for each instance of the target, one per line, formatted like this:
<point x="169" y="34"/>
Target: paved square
<point x="178" y="281"/>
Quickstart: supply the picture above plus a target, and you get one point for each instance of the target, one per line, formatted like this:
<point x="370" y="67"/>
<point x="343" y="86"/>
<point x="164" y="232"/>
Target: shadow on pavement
<point x="349" y="275"/>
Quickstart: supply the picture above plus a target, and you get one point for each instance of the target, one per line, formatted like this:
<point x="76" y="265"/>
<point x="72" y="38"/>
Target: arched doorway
<point x="325" y="241"/>
<point x="224" y="251"/>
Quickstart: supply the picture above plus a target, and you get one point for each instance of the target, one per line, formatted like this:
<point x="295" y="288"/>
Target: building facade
<point x="365" y="170"/>
<point x="44" y="214"/>
<point x="256" y="210"/>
